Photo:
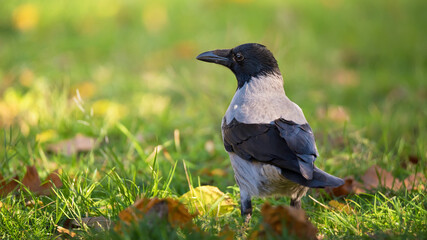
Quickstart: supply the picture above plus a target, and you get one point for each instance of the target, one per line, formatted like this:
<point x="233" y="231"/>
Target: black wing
<point x="284" y="144"/>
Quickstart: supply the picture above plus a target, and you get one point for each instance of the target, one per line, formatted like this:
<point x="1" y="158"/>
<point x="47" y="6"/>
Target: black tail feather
<point x="320" y="179"/>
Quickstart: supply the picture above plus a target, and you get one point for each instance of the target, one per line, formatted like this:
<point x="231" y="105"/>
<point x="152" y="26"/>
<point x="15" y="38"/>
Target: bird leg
<point x="296" y="203"/>
<point x="246" y="205"/>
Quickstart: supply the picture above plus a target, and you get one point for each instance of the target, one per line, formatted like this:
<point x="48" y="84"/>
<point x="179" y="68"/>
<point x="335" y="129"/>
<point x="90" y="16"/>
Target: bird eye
<point x="239" y="57"/>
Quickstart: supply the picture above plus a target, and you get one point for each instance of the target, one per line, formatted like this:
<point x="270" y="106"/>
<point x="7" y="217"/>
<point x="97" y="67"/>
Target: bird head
<point x="245" y="61"/>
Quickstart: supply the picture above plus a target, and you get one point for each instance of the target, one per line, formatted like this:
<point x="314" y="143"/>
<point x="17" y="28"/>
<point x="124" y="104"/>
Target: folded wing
<point x="284" y="144"/>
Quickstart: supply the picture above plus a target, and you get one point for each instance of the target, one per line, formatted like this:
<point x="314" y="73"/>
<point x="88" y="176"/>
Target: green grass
<point x="139" y="86"/>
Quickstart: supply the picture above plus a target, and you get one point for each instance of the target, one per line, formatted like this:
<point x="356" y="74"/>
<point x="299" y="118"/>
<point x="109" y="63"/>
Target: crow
<point x="271" y="146"/>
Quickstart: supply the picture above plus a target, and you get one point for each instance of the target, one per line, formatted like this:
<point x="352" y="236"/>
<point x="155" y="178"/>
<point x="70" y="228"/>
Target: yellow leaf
<point x="110" y="110"/>
<point x="340" y="206"/>
<point x="208" y="200"/>
<point x="25" y="17"/>
<point x="148" y="208"/>
<point x="152" y="104"/>
<point x="86" y="89"/>
<point x="46" y="136"/>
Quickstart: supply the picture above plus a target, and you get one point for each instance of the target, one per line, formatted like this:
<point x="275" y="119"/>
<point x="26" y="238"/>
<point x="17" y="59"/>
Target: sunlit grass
<point x="124" y="73"/>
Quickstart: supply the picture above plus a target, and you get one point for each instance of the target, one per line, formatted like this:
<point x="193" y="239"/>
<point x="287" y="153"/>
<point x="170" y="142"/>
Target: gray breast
<point x="262" y="100"/>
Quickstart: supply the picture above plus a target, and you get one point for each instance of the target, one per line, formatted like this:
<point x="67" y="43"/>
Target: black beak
<point x="220" y="56"/>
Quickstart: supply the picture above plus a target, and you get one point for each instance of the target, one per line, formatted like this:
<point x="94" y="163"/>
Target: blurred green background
<point x="357" y="68"/>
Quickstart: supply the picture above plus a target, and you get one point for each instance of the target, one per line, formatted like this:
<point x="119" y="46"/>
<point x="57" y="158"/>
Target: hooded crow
<point x="270" y="144"/>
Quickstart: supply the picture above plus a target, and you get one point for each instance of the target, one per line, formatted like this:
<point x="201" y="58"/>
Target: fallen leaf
<point x="208" y="200"/>
<point x="109" y="110"/>
<point x="295" y="221"/>
<point x="65" y="231"/>
<point x="415" y="182"/>
<point x="25" y="17"/>
<point x="376" y="176"/>
<point x="171" y="210"/>
<point x="340" y="206"/>
<point x="46" y="136"/>
<point x="7" y="186"/>
<point x="31" y="180"/>
<point x="350" y="186"/>
<point x="52" y="180"/>
<point x="79" y="143"/>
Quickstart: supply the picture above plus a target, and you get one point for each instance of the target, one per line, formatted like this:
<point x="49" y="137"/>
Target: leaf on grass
<point x="46" y="136"/>
<point x="65" y="231"/>
<point x="415" y="182"/>
<point x="295" y="221"/>
<point x="376" y="176"/>
<point x="7" y="186"/>
<point x="340" y="206"/>
<point x="25" y="17"/>
<point x="79" y="143"/>
<point x="173" y="211"/>
<point x="208" y="199"/>
<point x="350" y="186"/>
<point x="31" y="180"/>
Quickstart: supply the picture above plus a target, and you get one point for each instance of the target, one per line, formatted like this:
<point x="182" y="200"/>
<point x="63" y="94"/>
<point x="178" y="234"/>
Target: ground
<point x="125" y="74"/>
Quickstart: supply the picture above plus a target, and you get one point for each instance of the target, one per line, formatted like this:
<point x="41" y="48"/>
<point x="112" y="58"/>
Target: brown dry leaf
<point x="350" y="186"/>
<point x="31" y="180"/>
<point x="51" y="180"/>
<point x="172" y="210"/>
<point x="7" y="186"/>
<point x="376" y="176"/>
<point x="340" y="206"/>
<point x="295" y="220"/>
<point x="65" y="231"/>
<point x="79" y="143"/>
<point x="415" y="182"/>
